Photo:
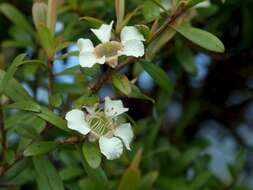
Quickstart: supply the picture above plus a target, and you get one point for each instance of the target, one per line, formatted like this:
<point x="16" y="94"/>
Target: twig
<point x="100" y="82"/>
<point x="3" y="132"/>
<point x="169" y="21"/>
<point x="50" y="82"/>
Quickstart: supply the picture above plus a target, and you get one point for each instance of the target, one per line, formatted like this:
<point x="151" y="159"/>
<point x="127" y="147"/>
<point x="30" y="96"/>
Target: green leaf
<point x="148" y="180"/>
<point x="14" y="89"/>
<point x="71" y="172"/>
<point x="18" y="61"/>
<point x="39" y="148"/>
<point x="47" y="176"/>
<point x="10" y="156"/>
<point x="189" y="113"/>
<point x="200" y="180"/>
<point x="238" y="163"/>
<point x="97" y="175"/>
<point x="66" y="55"/>
<point x="144" y="30"/>
<point x="28" y="131"/>
<point x="46" y="37"/>
<point x="16" y="169"/>
<point x="192" y="3"/>
<point x="185" y="57"/>
<point x="86" y="100"/>
<point x="200" y="37"/>
<point x="158" y="43"/>
<point x="10" y="72"/>
<point x="129" y="16"/>
<point x="25" y="105"/>
<point x="159" y="75"/>
<point x="93" y="22"/>
<point x="136" y="93"/>
<point x="150" y="10"/>
<point x="130" y="179"/>
<point x="56" y="99"/>
<point x="69" y="71"/>
<point x="16" y="17"/>
<point x="92" y="154"/>
<point x="122" y="84"/>
<point x="52" y="118"/>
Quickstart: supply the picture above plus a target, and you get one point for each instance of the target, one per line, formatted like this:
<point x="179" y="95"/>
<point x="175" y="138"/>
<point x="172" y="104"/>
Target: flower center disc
<point x="100" y="124"/>
<point x="108" y="49"/>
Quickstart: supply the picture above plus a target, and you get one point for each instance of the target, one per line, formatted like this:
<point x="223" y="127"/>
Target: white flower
<point x="102" y="125"/>
<point x="108" y="51"/>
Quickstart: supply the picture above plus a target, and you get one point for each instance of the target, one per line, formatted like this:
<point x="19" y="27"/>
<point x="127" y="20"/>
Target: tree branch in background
<point x="50" y="82"/>
<point x="3" y="134"/>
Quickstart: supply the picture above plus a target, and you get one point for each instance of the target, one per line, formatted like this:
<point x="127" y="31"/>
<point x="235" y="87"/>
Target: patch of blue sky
<point x="202" y="62"/>
<point x="222" y="148"/>
<point x="60" y="66"/>
<point x="42" y="95"/>
<point x="145" y="82"/>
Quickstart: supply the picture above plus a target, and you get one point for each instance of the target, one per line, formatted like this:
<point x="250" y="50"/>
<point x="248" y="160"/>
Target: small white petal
<point x="85" y="45"/>
<point x="133" y="48"/>
<point x="125" y="133"/>
<point x="112" y="148"/>
<point x="114" y="108"/>
<point x="130" y="33"/>
<point x="104" y="32"/>
<point x="88" y="59"/>
<point x="75" y="120"/>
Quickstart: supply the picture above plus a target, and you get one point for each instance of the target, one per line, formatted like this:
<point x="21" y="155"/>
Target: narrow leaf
<point x="93" y="22"/>
<point x="122" y="84"/>
<point x="16" y="17"/>
<point x="39" y="148"/>
<point x="200" y="37"/>
<point x="136" y="93"/>
<point x="52" y="118"/>
<point x="47" y="176"/>
<point x="14" y="90"/>
<point x="159" y="75"/>
<point x="130" y="179"/>
<point x="25" y="105"/>
<point x="97" y="175"/>
<point x="92" y="154"/>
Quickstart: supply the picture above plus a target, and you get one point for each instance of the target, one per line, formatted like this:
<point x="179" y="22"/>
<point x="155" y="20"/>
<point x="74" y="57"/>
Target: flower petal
<point x="104" y="32"/>
<point x="112" y="148"/>
<point x="125" y="133"/>
<point x="88" y="59"/>
<point x="114" y="108"/>
<point x="75" y="121"/>
<point x="132" y="48"/>
<point x="130" y="33"/>
<point x="85" y="45"/>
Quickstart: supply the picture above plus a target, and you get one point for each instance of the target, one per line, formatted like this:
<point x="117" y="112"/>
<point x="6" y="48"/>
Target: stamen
<point x="100" y="124"/>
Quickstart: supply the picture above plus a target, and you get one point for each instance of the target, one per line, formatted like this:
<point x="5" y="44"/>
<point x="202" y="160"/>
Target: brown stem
<point x="50" y="82"/>
<point x="170" y="20"/>
<point x="3" y="133"/>
<point x="100" y="82"/>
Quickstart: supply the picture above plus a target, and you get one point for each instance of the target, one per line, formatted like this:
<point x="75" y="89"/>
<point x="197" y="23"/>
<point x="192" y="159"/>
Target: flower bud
<point x="39" y="12"/>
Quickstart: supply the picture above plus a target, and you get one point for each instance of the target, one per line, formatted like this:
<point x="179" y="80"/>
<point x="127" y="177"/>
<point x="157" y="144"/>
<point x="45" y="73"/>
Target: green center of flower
<point x="100" y="124"/>
<point x="108" y="49"/>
